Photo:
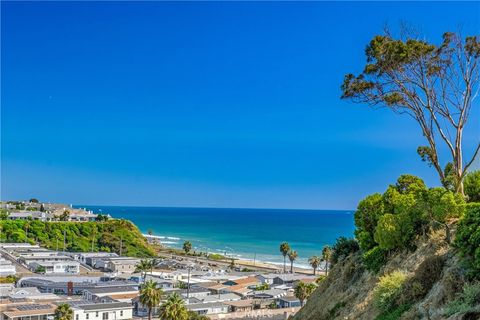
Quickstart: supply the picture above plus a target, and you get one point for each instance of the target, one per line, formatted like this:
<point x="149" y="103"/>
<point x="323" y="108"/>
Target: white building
<point x="6" y="268"/>
<point x="55" y="267"/>
<point x="86" y="310"/>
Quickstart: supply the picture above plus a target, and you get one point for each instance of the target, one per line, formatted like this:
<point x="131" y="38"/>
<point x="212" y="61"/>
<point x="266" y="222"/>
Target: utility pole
<point x="26" y="232"/>
<point x="121" y="245"/>
<point x="188" y="283"/>
<point x="93" y="239"/>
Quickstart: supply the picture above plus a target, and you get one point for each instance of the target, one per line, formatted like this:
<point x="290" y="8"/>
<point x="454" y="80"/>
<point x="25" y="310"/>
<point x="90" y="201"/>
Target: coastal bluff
<point x="348" y="291"/>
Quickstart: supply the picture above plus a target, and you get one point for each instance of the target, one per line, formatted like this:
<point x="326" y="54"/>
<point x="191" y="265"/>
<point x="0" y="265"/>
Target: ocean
<point x="242" y="233"/>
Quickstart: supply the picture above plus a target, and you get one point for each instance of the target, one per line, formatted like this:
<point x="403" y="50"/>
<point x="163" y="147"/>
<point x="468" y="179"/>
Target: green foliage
<point x="3" y="214"/>
<point x="215" y="256"/>
<point x="101" y="217"/>
<point x="320" y="278"/>
<point x="408" y="183"/>
<point x="187" y="247"/>
<point x="402" y="73"/>
<point x="366" y="217"/>
<point x="394" y="231"/>
<point x="374" y="259"/>
<point x="40" y="269"/>
<point x="261" y="287"/>
<point x="468" y="238"/>
<point x="304" y="290"/>
<point x="106" y="236"/>
<point x="471" y="185"/>
<point x="63" y="312"/>
<point x="405" y="210"/>
<point x="395" y="313"/>
<point x="314" y="261"/>
<point x="388" y="289"/>
<point x="442" y="204"/>
<point x="343" y="248"/>
<point x="174" y="308"/>
<point x="9" y="279"/>
<point x="466" y="301"/>
<point x="150" y="296"/>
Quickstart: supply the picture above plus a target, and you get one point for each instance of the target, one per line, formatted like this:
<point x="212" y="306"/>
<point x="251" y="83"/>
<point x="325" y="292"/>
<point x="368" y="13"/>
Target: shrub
<point x="320" y="279"/>
<point x="468" y="239"/>
<point x="467" y="301"/>
<point x="343" y="248"/>
<point x="388" y="289"/>
<point x="394" y="231"/>
<point x="472" y="186"/>
<point x="215" y="256"/>
<point x="374" y="259"/>
<point x="368" y="212"/>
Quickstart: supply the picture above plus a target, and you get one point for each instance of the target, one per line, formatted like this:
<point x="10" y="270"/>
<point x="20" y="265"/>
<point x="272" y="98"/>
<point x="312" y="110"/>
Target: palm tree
<point x="63" y="312"/>
<point x="303" y="291"/>
<point x="187" y="246"/>
<point x="143" y="267"/>
<point x="292" y="256"/>
<point x="150" y="296"/>
<point x="153" y="263"/>
<point x="284" y="249"/>
<point x="326" y="255"/>
<point x="173" y="309"/>
<point x="314" y="262"/>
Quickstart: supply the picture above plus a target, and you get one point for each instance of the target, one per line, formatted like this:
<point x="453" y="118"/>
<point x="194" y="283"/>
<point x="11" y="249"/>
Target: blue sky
<point x="215" y="104"/>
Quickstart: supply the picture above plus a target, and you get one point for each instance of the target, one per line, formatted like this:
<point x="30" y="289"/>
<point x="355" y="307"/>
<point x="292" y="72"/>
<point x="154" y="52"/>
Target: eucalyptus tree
<point x="435" y="84"/>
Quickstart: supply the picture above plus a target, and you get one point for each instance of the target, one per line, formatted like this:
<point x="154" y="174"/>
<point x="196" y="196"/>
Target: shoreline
<point x="244" y="262"/>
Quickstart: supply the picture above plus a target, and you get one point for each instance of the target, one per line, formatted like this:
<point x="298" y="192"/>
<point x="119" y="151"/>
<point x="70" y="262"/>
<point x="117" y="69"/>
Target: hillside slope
<point x="347" y="293"/>
<point x="79" y="236"/>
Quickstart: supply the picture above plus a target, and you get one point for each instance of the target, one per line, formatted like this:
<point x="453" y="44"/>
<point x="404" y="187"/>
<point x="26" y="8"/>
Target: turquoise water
<point x="245" y="233"/>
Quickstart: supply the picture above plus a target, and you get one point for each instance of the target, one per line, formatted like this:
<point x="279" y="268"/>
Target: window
<point x="121" y="313"/>
<point x="105" y="316"/>
<point x="96" y="314"/>
<point x="76" y="317"/>
<point x="87" y="316"/>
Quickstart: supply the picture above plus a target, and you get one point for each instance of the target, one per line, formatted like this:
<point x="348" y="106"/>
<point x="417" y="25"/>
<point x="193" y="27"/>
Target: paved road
<point x="21" y="269"/>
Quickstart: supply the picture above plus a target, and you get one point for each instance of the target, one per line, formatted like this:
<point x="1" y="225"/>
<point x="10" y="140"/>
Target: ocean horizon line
<point x="199" y="207"/>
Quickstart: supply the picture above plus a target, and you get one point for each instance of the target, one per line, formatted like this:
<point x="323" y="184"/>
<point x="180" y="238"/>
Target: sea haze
<point x="244" y="233"/>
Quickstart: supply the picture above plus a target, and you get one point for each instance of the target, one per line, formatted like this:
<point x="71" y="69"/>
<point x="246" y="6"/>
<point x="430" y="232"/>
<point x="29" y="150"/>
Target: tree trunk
<point x="284" y="264"/>
<point x="291" y="266"/>
<point x="314" y="271"/>
<point x="149" y="313"/>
